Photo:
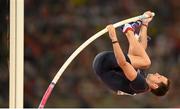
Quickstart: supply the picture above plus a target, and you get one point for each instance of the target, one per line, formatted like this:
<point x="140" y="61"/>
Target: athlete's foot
<point x="127" y="27"/>
<point x="133" y="25"/>
<point x="136" y="25"/>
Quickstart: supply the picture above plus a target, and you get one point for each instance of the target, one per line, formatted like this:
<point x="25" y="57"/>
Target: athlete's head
<point x="158" y="84"/>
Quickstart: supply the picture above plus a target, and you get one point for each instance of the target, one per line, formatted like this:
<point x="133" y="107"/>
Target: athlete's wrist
<point x="113" y="42"/>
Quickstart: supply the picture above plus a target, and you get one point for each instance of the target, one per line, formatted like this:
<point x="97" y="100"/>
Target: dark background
<point x="4" y="53"/>
<point x="55" y="28"/>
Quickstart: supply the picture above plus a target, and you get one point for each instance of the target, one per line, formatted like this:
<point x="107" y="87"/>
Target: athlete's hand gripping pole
<point x="78" y="50"/>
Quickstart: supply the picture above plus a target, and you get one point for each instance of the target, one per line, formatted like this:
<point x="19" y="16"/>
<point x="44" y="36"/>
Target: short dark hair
<point x="162" y="89"/>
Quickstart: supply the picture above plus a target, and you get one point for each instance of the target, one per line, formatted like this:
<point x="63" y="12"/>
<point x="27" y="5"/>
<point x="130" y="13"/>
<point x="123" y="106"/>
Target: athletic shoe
<point x="136" y="25"/>
<point x="127" y="27"/>
<point x="131" y="26"/>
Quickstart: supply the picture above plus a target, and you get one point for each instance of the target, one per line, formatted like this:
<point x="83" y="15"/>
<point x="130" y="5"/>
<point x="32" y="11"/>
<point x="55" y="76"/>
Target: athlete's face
<point x="154" y="79"/>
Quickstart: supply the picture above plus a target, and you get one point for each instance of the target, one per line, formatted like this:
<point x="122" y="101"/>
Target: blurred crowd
<point x="54" y="29"/>
<point x="4" y="53"/>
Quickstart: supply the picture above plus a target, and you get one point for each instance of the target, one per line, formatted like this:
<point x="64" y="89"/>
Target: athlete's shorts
<point x="107" y="68"/>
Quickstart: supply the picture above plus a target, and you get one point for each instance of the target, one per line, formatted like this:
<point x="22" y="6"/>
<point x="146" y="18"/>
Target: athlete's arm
<point x="143" y="29"/>
<point x="127" y="68"/>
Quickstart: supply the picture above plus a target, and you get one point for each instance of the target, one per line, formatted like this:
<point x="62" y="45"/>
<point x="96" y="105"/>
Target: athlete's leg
<point x="136" y="53"/>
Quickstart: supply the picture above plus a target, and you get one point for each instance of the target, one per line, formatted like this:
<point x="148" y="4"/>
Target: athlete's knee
<point x="147" y="63"/>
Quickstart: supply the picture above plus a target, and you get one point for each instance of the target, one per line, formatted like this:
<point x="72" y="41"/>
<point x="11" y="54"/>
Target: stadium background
<point x="55" y="28"/>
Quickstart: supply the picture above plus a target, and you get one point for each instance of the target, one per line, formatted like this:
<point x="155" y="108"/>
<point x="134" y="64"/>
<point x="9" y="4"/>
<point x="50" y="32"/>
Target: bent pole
<point x="78" y="50"/>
